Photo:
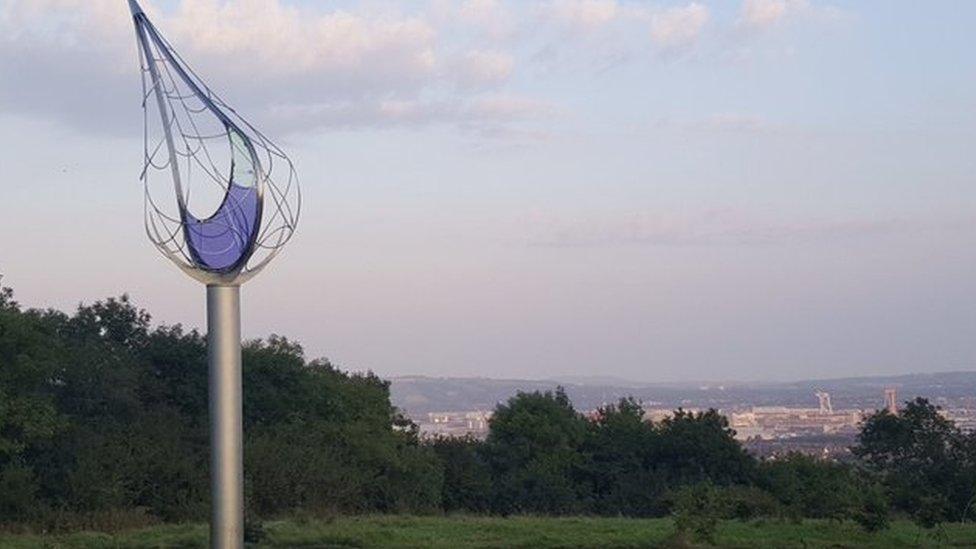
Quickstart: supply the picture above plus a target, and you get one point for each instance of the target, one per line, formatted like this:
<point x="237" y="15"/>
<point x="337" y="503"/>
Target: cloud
<point x="735" y="122"/>
<point x="679" y="27"/>
<point x="484" y="112"/>
<point x="614" y="32"/>
<point x="583" y="14"/>
<point x="283" y="40"/>
<point x="481" y="69"/>
<point x="76" y="61"/>
<point x="511" y="107"/>
<point x="277" y="58"/>
<point x="476" y="11"/>
<point x="491" y="16"/>
<point x="703" y="228"/>
<point x="764" y="13"/>
<point x="760" y="15"/>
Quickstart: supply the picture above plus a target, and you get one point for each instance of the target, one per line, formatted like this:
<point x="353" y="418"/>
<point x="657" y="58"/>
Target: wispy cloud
<point x="679" y="27"/>
<point x="494" y="18"/>
<point x="482" y="112"/>
<point x="367" y="64"/>
<point x="586" y="15"/>
<point x="477" y="69"/>
<point x="709" y="227"/>
<point x="267" y="57"/>
<point x="760" y="15"/>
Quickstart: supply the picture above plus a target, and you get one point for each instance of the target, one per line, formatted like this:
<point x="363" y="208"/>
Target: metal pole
<point x="226" y="429"/>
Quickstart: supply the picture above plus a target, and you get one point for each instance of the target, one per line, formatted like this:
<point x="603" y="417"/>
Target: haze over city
<point x="756" y="190"/>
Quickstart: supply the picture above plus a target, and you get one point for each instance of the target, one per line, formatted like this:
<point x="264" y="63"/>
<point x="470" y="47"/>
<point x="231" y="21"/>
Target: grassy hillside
<point x="449" y="532"/>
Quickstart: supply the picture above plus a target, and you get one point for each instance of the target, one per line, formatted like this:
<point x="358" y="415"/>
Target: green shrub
<point x="873" y="514"/>
<point x="810" y="487"/>
<point x="533" y="452"/>
<point x="746" y="503"/>
<point x="697" y="510"/>
<point x="100" y="412"/>
<point x="18" y="491"/>
<point x="467" y="478"/>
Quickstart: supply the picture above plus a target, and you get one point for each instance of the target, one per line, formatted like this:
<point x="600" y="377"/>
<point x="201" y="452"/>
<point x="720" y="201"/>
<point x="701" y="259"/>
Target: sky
<point x="659" y="191"/>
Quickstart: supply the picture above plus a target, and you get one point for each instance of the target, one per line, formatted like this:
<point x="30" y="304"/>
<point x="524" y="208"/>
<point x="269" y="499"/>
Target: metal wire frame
<point x="192" y="120"/>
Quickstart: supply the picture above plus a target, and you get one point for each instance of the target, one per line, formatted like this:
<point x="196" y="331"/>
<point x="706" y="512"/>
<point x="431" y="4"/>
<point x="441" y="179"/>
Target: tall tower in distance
<point x="891" y="400"/>
<point x="825" y="406"/>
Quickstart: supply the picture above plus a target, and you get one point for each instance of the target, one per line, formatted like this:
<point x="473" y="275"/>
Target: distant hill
<point x="418" y="395"/>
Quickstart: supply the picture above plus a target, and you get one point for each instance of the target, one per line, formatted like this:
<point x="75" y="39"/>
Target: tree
<point x="619" y="455"/>
<point x="467" y="478"/>
<point x="874" y="512"/>
<point x="326" y="440"/>
<point x="533" y="452"/>
<point x="698" y="447"/>
<point x="697" y="510"/>
<point x="102" y="412"/>
<point x="29" y="358"/>
<point x="926" y="463"/>
<point x="810" y="487"/>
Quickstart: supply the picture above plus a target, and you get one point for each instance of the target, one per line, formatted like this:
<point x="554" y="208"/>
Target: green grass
<point x="534" y="532"/>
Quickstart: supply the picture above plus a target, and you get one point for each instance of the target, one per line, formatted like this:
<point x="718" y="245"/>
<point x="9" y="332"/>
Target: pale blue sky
<point x="768" y="189"/>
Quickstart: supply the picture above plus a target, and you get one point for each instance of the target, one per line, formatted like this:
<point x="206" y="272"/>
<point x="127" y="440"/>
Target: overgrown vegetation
<point x="450" y="532"/>
<point x="103" y="425"/>
<point x="103" y="422"/>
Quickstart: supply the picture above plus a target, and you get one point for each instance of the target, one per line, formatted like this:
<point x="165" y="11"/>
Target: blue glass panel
<point x="222" y="240"/>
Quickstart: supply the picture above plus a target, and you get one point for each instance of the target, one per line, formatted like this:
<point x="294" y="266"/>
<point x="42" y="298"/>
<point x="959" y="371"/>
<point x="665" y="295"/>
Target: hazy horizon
<point x="595" y="380"/>
<point x="659" y="191"/>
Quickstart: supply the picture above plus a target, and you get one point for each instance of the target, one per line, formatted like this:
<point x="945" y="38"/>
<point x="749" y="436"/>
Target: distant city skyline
<point x="658" y="191"/>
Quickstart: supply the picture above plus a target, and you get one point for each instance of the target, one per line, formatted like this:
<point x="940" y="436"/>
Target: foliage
<point x="699" y="447"/>
<point x="28" y="412"/>
<point x="746" y="502"/>
<point x="926" y="463"/>
<point x="810" y="487"/>
<point x="697" y="511"/>
<point x="101" y="411"/>
<point x="533" y="453"/>
<point x="874" y="513"/>
<point x="103" y="423"/>
<point x="467" y="478"/>
<point x="493" y="532"/>
<point x="620" y="465"/>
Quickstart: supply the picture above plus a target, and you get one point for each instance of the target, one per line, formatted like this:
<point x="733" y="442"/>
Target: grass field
<point x="445" y="532"/>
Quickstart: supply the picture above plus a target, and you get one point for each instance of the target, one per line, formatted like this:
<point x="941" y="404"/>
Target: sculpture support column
<point x="226" y="417"/>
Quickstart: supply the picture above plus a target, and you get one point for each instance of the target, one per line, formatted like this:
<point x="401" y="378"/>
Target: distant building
<point x="657" y="415"/>
<point x="891" y="400"/>
<point x="456" y="424"/>
<point x="824" y="398"/>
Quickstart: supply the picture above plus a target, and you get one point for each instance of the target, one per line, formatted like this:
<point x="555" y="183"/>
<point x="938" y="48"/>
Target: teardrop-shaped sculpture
<point x="229" y="216"/>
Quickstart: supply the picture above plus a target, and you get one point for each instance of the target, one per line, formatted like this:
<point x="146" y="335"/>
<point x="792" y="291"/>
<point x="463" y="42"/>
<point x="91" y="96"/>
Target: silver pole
<point x="226" y="429"/>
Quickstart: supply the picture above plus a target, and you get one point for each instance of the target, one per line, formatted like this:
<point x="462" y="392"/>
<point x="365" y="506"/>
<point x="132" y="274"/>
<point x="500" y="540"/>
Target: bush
<point x="254" y="531"/>
<point x="18" y="490"/>
<point x="810" y="487"/>
<point x="102" y="412"/>
<point x="110" y="520"/>
<point x="467" y="478"/>
<point x="926" y="463"/>
<point x="103" y="423"/>
<point x="873" y="514"/>
<point x="619" y="466"/>
<point x="700" y="447"/>
<point x="697" y="510"/>
<point x="533" y="451"/>
<point x="746" y="503"/>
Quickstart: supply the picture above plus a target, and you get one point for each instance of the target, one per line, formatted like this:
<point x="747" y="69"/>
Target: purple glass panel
<point x="223" y="239"/>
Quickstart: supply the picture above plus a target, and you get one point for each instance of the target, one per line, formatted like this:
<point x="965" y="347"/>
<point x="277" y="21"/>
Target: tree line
<point x="103" y="421"/>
